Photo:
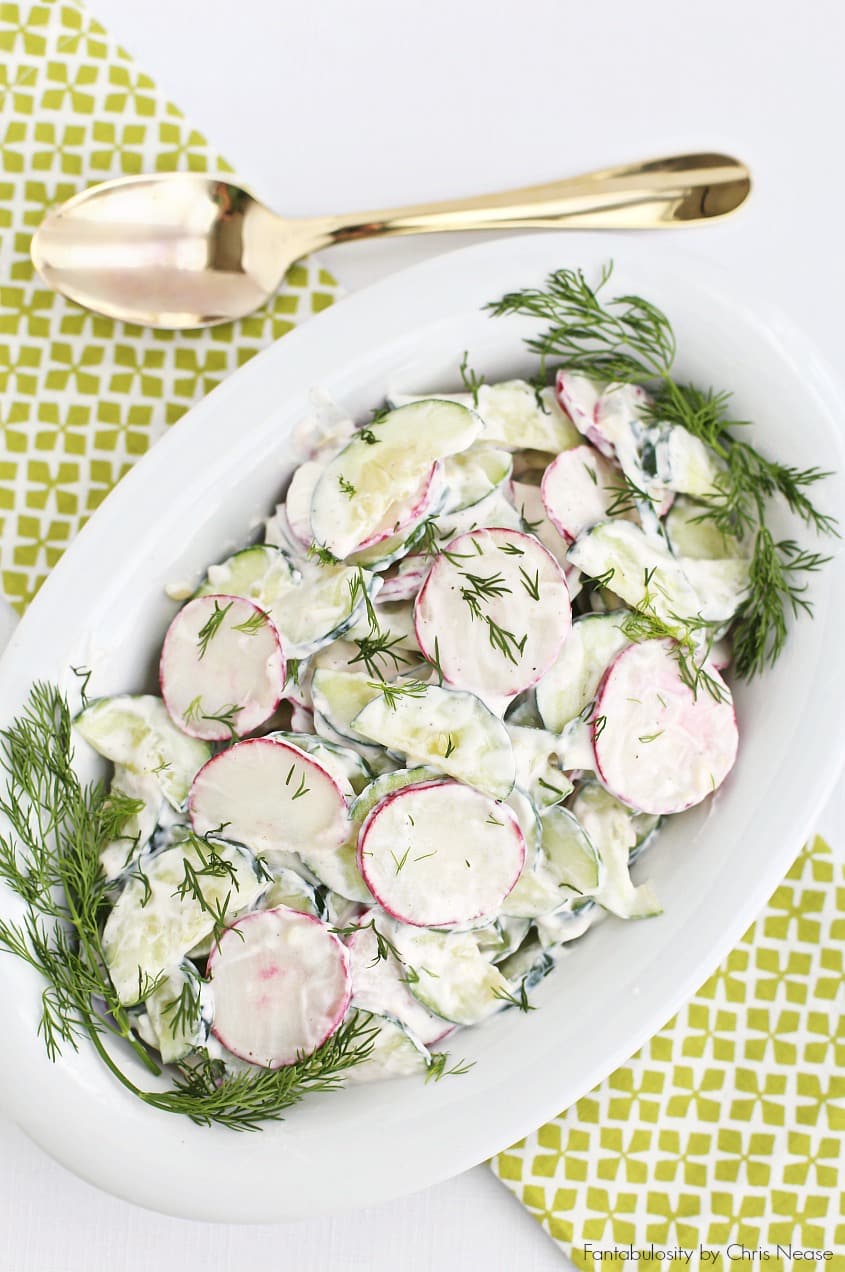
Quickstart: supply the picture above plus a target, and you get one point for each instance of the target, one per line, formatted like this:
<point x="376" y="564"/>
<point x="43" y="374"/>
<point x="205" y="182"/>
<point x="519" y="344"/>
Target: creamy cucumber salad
<point x="408" y="746"/>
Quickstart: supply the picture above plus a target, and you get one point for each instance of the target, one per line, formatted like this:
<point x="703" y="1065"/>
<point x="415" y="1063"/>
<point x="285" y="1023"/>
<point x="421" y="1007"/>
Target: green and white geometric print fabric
<point x="726" y="1130"/>
<point x="82" y="397"/>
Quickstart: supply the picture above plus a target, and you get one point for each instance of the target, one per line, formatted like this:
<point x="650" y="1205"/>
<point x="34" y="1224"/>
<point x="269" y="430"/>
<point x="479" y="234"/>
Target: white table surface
<point x="338" y="104"/>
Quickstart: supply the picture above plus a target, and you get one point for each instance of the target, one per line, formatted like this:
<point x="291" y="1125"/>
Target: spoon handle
<point x="681" y="190"/>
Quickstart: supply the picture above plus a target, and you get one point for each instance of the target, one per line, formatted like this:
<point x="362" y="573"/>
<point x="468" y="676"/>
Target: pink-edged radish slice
<point x="493" y="613"/>
<point x="222" y="669"/>
<point x="270" y="796"/>
<point x="425" y="874"/>
<point x="405" y="581"/>
<point x="281" y="986"/>
<point x="659" y="746"/>
<point x="300" y="492"/>
<point x="382" y="468"/>
<point x="378" y="985"/>
<point x="579" y="398"/>
<point x="301" y="719"/>
<point x="577" y="489"/>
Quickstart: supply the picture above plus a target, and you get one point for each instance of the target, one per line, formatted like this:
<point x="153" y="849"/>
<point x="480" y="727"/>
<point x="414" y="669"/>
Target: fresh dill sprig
<point x="252" y="624"/>
<point x="183" y="1011"/>
<point x="626" y="339"/>
<point x="471" y="382"/>
<point x="346" y="487"/>
<point x="322" y="555"/>
<point x="519" y="1000"/>
<point x="378" y="646"/>
<point x="643" y="623"/>
<point x="401" y="689"/>
<point x="384" y="948"/>
<point x="511" y="646"/>
<point x="212" y="626"/>
<point x="50" y="858"/>
<point x="436" y="1067"/>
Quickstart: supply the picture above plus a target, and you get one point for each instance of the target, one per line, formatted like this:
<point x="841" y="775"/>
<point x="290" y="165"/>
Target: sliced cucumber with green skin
<point x="287" y="887"/>
<point x="452" y="731"/>
<point x="379" y="985"/>
<point x="121" y="854"/>
<point x="181" y="1012"/>
<point x="386" y="784"/>
<point x="271" y="796"/>
<point x="567" y="868"/>
<point x="361" y="485"/>
<point x="423" y="875"/>
<point x="528" y="965"/>
<point x="340" y="696"/>
<point x="497" y="606"/>
<point x="473" y="475"/>
<point x="626" y="557"/>
<point x="538" y="757"/>
<point x="448" y="974"/>
<point x="610" y="827"/>
<point x="577" y="489"/>
<point x="700" y="540"/>
<point x="661" y="747"/>
<point x="722" y="585"/>
<point x="396" y="1052"/>
<point x="554" y="930"/>
<point x="501" y="937"/>
<point x="281" y="986"/>
<point x="572" y="682"/>
<point x="514" y="417"/>
<point x="310" y="606"/>
<point x="137" y="733"/>
<point x="494" y="510"/>
<point x="345" y="765"/>
<point x="683" y="463"/>
<point x="222" y="669"/>
<point x="151" y="927"/>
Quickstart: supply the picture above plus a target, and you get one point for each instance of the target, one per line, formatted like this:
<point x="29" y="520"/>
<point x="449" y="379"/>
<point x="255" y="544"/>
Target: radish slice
<point x="579" y="397"/>
<point x="576" y="490"/>
<point x="222" y="669"/>
<point x="425" y="875"/>
<point x="493" y="612"/>
<point x="270" y="796"/>
<point x="406" y="580"/>
<point x="281" y="986"/>
<point x="659" y="747"/>
<point x="403" y="514"/>
<point x="378" y="985"/>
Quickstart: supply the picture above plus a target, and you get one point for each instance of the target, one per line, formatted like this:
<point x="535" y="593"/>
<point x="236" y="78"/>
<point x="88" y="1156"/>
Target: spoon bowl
<point x="178" y="250"/>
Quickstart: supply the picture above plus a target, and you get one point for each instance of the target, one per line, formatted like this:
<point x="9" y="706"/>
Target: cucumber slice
<point x="180" y="1011"/>
<point x="288" y="888"/>
<point x="448" y="974"/>
<point x="610" y="828"/>
<point x="626" y="557"/>
<point x="572" y="682"/>
<point x="310" y="606"/>
<point x="151" y="927"/>
<point x="564" y="926"/>
<point x="566" y="870"/>
<point x="528" y="965"/>
<point x="379" y="986"/>
<point x="272" y="797"/>
<point x="340" y="696"/>
<point x="222" y="668"/>
<point x="386" y="784"/>
<point x="683" y="463"/>
<point x="454" y="732"/>
<point x="700" y="540"/>
<point x="382" y="476"/>
<point x="660" y="746"/>
<point x="138" y="734"/>
<point x="493" y="613"/>
<point x="501" y="937"/>
<point x="421" y="873"/>
<point x="473" y="475"/>
<point x="722" y="586"/>
<point x="532" y="513"/>
<point x="538" y="757"/>
<point x="121" y="854"/>
<point x="514" y="417"/>
<point x="281" y="986"/>
<point x="494" y="510"/>
<point x="396" y="1053"/>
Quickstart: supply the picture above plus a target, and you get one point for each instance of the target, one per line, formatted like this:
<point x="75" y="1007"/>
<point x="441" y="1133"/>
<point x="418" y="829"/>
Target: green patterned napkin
<point x="725" y="1132"/>
<point x="82" y="397"/>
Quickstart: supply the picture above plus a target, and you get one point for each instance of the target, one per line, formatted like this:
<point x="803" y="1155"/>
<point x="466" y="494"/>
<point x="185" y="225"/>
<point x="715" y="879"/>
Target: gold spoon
<point x="188" y="250"/>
